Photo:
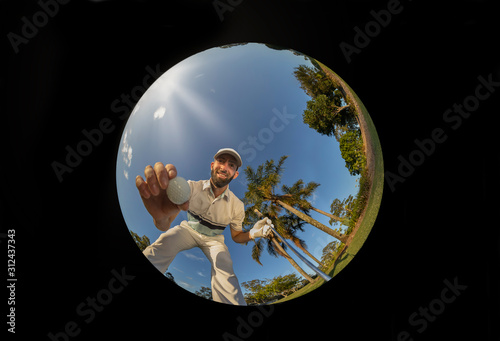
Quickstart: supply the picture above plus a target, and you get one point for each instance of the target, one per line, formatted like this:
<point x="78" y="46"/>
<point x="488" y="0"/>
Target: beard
<point x="217" y="181"/>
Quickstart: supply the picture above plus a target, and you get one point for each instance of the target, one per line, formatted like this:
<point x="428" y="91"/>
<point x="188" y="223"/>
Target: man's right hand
<point x="154" y="195"/>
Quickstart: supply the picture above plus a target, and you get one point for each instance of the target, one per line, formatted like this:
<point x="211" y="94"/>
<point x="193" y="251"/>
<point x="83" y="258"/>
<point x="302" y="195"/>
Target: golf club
<point x="309" y="264"/>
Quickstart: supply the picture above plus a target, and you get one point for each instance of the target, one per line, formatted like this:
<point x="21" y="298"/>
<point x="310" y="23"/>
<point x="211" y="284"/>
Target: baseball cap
<point x="232" y="152"/>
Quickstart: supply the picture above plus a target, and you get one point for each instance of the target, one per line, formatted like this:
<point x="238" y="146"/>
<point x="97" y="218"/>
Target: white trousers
<point x="225" y="285"/>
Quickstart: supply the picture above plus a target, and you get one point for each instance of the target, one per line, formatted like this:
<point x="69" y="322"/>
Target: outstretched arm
<point x="240" y="236"/>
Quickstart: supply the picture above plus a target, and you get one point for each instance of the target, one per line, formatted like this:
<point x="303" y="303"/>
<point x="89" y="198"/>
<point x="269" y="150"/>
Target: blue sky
<point x="243" y="97"/>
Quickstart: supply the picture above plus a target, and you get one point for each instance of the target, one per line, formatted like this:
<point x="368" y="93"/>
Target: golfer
<point x="211" y="207"/>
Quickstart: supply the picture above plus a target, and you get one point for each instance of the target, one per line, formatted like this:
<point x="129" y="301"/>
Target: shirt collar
<point x="208" y="187"/>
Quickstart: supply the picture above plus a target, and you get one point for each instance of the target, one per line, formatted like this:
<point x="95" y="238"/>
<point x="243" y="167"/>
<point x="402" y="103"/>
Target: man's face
<point x="223" y="170"/>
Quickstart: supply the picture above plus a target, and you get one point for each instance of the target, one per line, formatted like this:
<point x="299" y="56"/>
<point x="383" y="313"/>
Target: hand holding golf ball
<point x="163" y="207"/>
<point x="262" y="228"/>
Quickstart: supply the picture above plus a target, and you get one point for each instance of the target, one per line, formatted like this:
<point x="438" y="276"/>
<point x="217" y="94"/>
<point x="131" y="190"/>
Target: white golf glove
<point x="262" y="228"/>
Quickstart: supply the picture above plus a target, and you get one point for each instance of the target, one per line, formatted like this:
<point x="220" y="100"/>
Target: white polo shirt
<point x="209" y="215"/>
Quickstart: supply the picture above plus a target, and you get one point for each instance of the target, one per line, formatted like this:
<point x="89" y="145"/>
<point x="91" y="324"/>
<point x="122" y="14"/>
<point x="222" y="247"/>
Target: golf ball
<point x="178" y="190"/>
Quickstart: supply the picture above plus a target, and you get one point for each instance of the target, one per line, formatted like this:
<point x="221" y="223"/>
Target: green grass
<point x="371" y="212"/>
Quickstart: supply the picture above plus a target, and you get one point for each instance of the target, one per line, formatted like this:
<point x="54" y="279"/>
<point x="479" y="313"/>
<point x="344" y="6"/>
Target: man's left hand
<point x="262" y="228"/>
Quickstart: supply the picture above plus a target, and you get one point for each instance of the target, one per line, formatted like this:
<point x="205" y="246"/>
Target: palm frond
<point x="257" y="251"/>
<point x="270" y="248"/>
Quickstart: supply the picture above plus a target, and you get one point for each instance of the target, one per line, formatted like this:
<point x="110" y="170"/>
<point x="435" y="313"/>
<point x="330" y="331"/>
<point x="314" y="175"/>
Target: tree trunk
<point x="297" y="243"/>
<point x="282" y="251"/>
<point x="334" y="217"/>
<point x="342" y="108"/>
<point x="313" y="222"/>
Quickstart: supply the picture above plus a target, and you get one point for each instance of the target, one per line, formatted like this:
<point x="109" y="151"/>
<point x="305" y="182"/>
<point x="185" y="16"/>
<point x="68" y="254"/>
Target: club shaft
<point x="308" y="263"/>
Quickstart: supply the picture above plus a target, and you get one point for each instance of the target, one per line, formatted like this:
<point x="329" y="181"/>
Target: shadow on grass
<point x="343" y="259"/>
<point x="344" y="255"/>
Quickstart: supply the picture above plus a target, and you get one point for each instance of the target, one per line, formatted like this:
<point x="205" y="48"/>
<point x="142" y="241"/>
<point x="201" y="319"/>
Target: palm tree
<point x="313" y="222"/>
<point x="298" y="195"/>
<point x="261" y="188"/>
<point x="295" y="224"/>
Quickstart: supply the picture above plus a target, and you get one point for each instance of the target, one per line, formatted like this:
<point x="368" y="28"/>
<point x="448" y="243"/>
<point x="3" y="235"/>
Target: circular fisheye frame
<point x="288" y="204"/>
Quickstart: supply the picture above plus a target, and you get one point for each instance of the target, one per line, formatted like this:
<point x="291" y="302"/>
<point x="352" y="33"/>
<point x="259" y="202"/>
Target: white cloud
<point x="125" y="142"/>
<point x="199" y="273"/>
<point x="185" y="285"/>
<point x="193" y="256"/>
<point x="314" y="199"/>
<point x="127" y="149"/>
<point x="129" y="155"/>
<point x="159" y="113"/>
<point x="137" y="106"/>
<point x="175" y="268"/>
<point x="125" y="173"/>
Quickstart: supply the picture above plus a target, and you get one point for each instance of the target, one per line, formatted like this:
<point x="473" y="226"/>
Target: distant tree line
<point x="261" y="291"/>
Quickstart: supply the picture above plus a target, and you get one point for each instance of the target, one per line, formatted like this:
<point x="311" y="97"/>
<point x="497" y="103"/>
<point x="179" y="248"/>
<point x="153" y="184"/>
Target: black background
<point x="441" y="223"/>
